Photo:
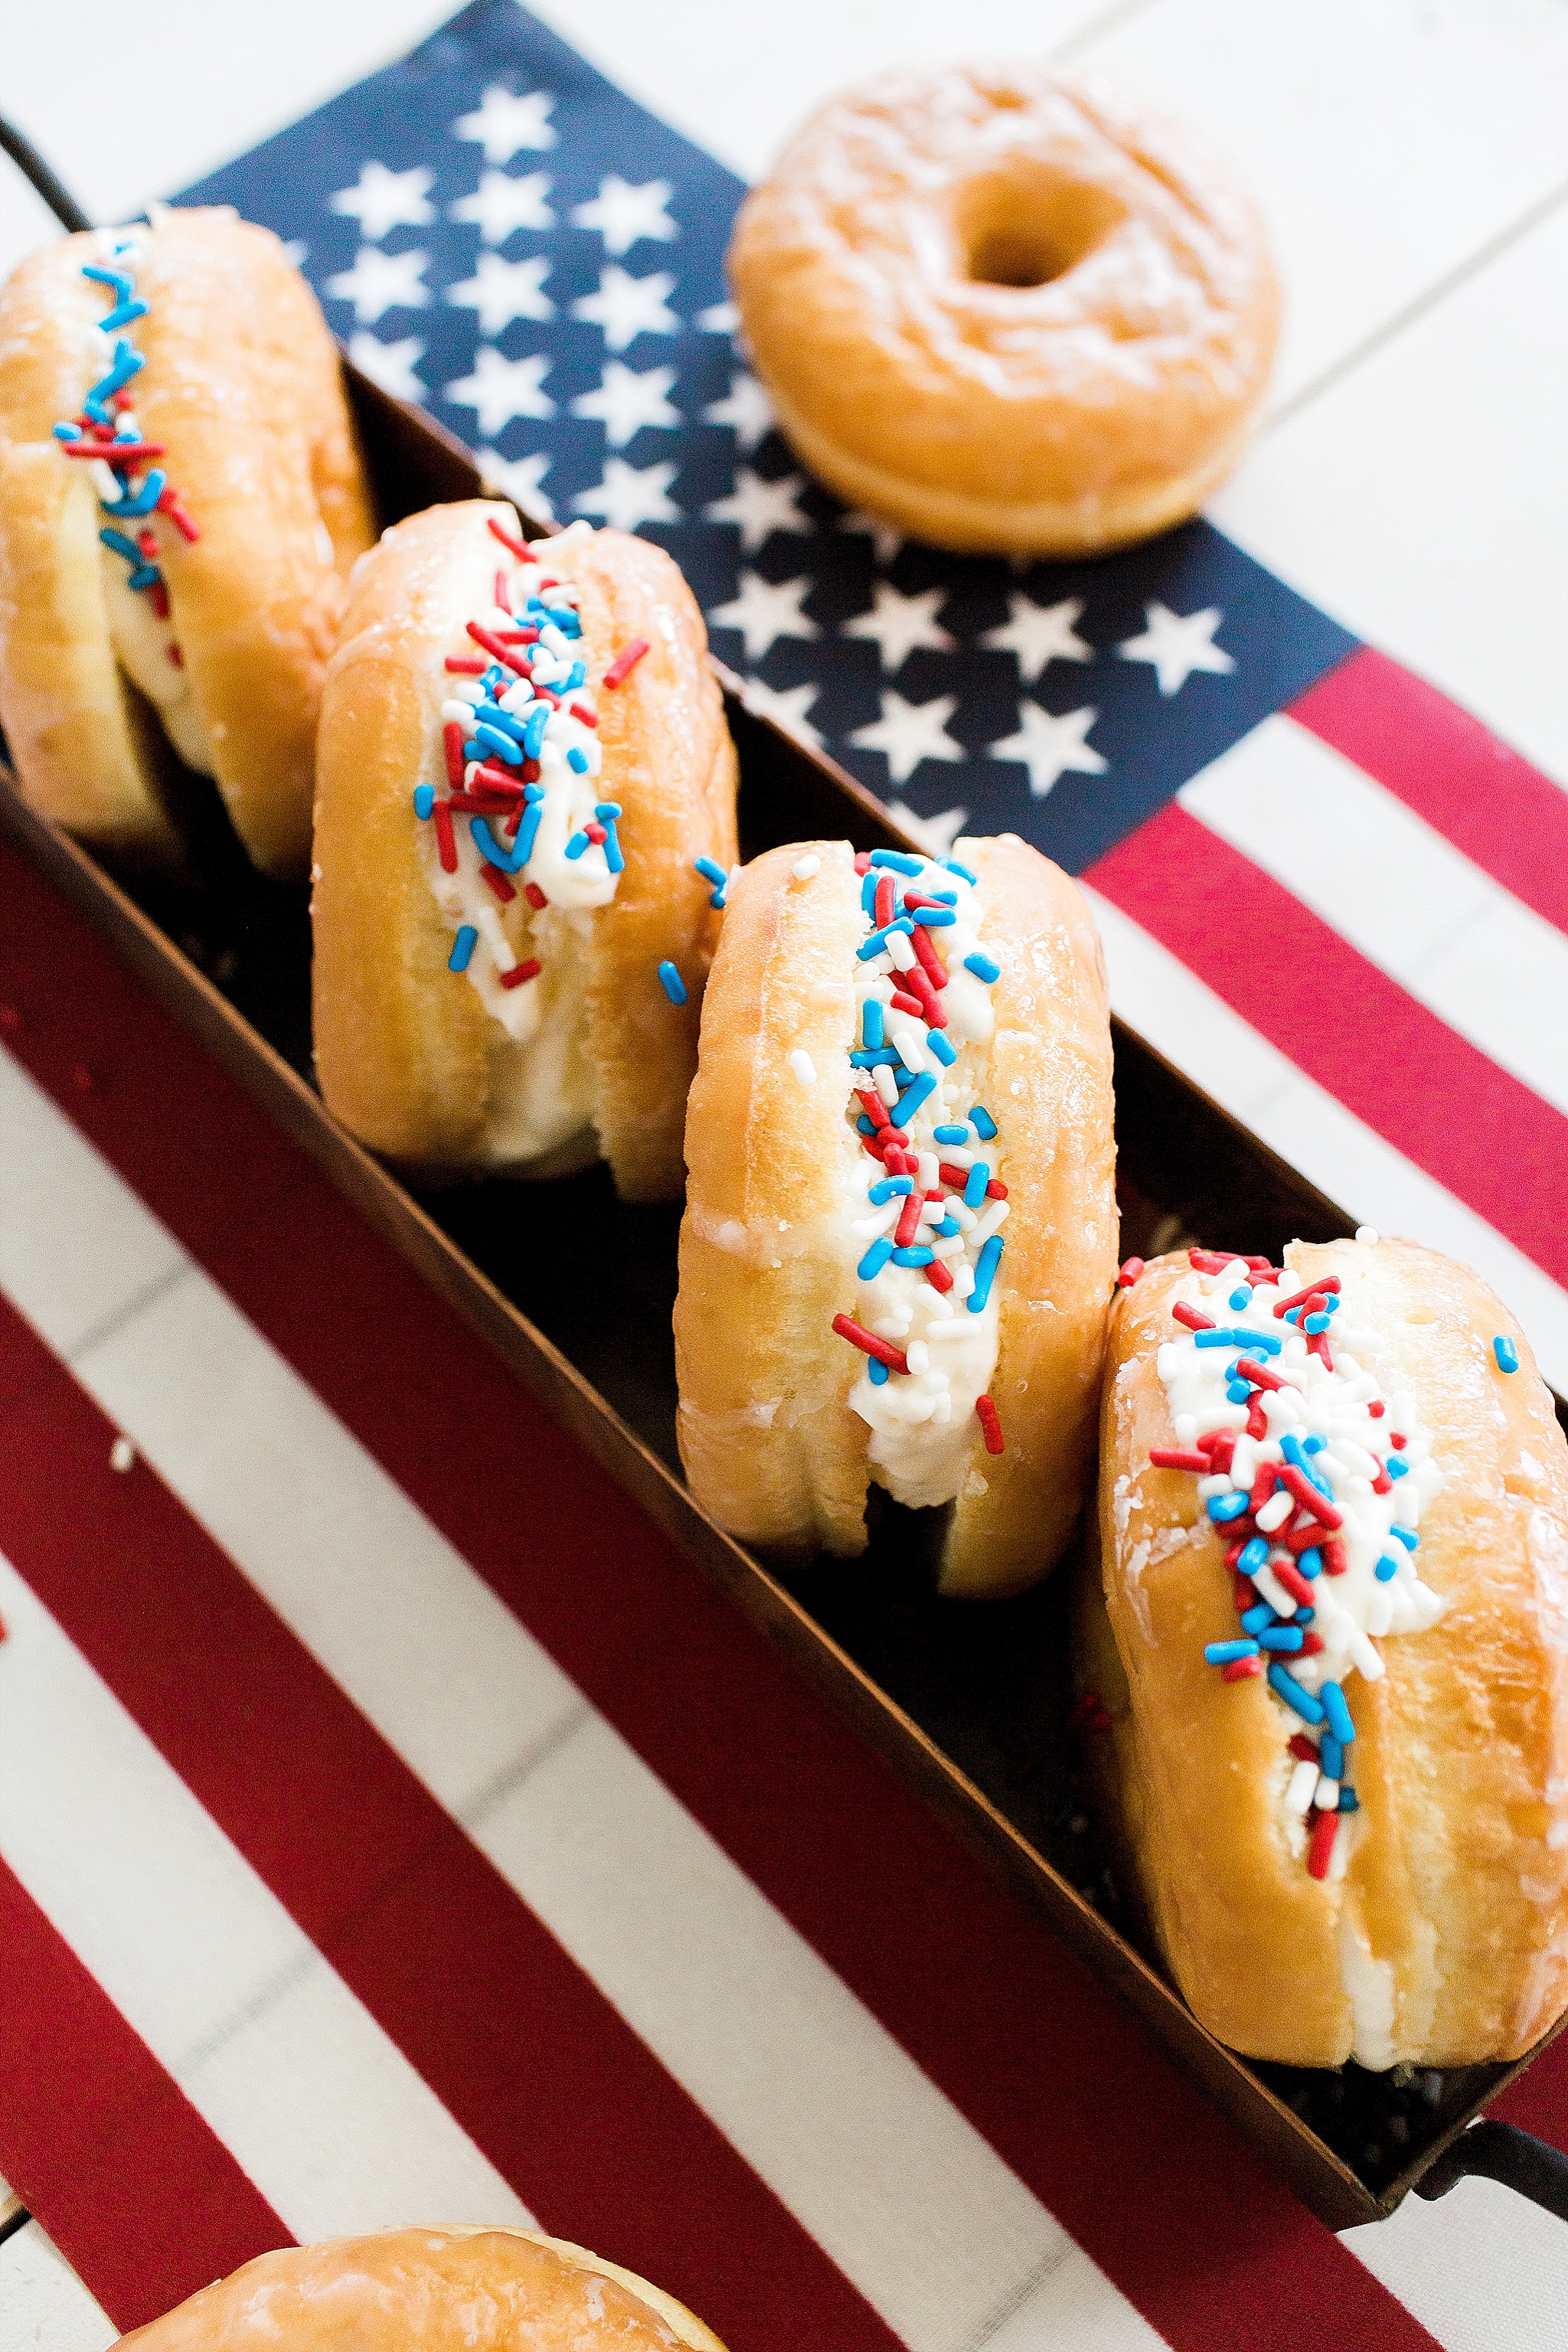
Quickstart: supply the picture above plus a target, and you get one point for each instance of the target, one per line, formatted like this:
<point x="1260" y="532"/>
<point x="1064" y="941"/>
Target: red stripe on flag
<point x="513" y="2038"/>
<point x="103" y="2147"/>
<point x="1373" y="1046"/>
<point x="1443" y="764"/>
<point x="1121" y="2145"/>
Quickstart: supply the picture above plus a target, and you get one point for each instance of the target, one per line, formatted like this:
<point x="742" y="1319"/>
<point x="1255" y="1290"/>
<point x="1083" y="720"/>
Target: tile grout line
<point x="1108" y="22"/>
<point x="1472" y="267"/>
<point x="488" y="1798"/>
<point x="1008" y="2306"/>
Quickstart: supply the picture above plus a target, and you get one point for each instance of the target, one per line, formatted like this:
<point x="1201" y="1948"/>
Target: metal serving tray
<point x="968" y="1702"/>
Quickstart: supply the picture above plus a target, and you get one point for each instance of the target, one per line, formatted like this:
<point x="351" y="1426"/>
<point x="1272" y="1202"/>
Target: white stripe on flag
<point x="1185" y="1020"/>
<point x="43" y="2304"/>
<point x="1483" y="2268"/>
<point x="917" y="2210"/>
<point x="319" y="2107"/>
<point x="1404" y="896"/>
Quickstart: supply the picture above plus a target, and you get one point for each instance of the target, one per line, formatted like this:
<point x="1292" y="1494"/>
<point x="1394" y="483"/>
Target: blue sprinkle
<point x="947" y="1134"/>
<point x="875" y="1259"/>
<point x="938" y="1045"/>
<point x="868" y="893"/>
<point x="119" y="281"/>
<point x="934" y="918"/>
<point x="1507" y="1354"/>
<point x="577" y="759"/>
<point x="1332" y="1756"/>
<point x="865" y="1126"/>
<point x="910" y="1101"/>
<point x="1310" y="1563"/>
<point x="985" y="1274"/>
<point x="1223" y="1653"/>
<point x="948" y="1227"/>
<point x="1221" y="1339"/>
<point x="143" y="576"/>
<point x="1222" y="1508"/>
<point x="463" y="947"/>
<point x="872" y="1057"/>
<point x="1238" y="1392"/>
<point x="918" y="1256"/>
<point x="1406" y="1536"/>
<point x="1315" y="1323"/>
<point x="1254" y="1555"/>
<point x="577" y="844"/>
<point x="608" y="811"/>
<point x="506" y="720"/>
<point x="669" y="979"/>
<point x="1386" y="1569"/>
<point x="1261" y="1343"/>
<point x="575" y="676"/>
<point x="141" y="501"/>
<point x="67" y="433"/>
<point x="616" y="862"/>
<point x="122" y="314"/>
<point x="947" y="898"/>
<point x="1290" y="1691"/>
<point x="1349" y="1801"/>
<point x="1239" y="1299"/>
<point x="982" y="966"/>
<point x="899" y="862"/>
<point x="983" y="1123"/>
<point x="718" y="901"/>
<point x="975" y="1185"/>
<point x="1338" y="1714"/>
<point x="527" y="831"/>
<point x="491" y="739"/>
<point x="1259" y="1620"/>
<point x="489" y="848"/>
<point x="1397" y="1466"/>
<point x="1303" y="1616"/>
<point x="1314" y="1445"/>
<point x="873" y="1021"/>
<point x="1282" y="1637"/>
<point x="878" y="939"/>
<point x="424" y="799"/>
<point x="122" y="545"/>
<point x="876" y="1372"/>
<point x="889" y="1189"/>
<point x="538" y="719"/>
<point x="962" y="872"/>
<point x="710" y="870"/>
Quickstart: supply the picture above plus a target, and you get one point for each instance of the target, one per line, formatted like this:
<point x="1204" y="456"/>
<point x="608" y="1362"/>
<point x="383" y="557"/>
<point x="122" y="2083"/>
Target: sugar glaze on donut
<point x="1005" y="310"/>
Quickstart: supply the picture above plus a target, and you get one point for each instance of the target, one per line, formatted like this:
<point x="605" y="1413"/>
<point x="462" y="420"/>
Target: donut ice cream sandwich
<point x="181" y="500"/>
<point x="900" y="1224"/>
<point x="523" y="771"/>
<point x="1331" y="1656"/>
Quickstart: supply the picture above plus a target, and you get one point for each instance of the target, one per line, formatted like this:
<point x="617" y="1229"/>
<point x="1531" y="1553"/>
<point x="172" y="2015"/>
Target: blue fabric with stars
<point x="498" y="232"/>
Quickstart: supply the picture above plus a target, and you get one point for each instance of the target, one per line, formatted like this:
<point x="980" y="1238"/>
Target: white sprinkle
<point x="1326" y="1796"/>
<point x="803" y="1066"/>
<point x="945" y="1326"/>
<point x="956" y="1155"/>
<point x="1303" y="1781"/>
<point x="900" y="950"/>
<point x="886" y="1086"/>
<point x="806" y="868"/>
<point x="1367" y="1233"/>
<point x="1274" y="1511"/>
<point x="893" y="1326"/>
<point x="1367" y="1659"/>
<point x="1273" y="1592"/>
<point x="917" y="1356"/>
<point x="121" y="1454"/>
<point x="910" y="1049"/>
<point x="962" y="1281"/>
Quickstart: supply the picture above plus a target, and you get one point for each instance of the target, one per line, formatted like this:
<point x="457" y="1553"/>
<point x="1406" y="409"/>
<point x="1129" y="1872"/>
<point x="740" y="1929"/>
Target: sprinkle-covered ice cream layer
<point x="1315" y="1482"/>
<point x="923" y="1184"/>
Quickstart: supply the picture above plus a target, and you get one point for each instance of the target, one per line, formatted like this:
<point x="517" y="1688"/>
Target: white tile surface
<point x="1386" y="144"/>
<point x="1422" y="499"/>
<point x="44" y="2306"/>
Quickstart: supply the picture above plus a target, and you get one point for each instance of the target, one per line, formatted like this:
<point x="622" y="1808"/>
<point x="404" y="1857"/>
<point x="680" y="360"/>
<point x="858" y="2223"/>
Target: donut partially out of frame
<point x="821" y="1348"/>
<point x="182" y="602"/>
<point x="1340" y="1783"/>
<point x="440" y="2290"/>
<point x="504" y="981"/>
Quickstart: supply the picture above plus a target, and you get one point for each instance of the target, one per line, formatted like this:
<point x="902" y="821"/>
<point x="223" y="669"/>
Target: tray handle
<point x="32" y="166"/>
<point x="1497" y="2151"/>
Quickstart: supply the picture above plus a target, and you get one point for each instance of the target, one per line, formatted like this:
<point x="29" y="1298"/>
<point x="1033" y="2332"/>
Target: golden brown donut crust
<point x="406" y="1054"/>
<point x="242" y="385"/>
<point x="1458" y="1883"/>
<point x="440" y="2290"/>
<point x="768" y="1259"/>
<point x="1054" y="419"/>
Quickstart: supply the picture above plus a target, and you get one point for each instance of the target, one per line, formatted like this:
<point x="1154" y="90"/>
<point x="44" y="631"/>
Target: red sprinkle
<point x="534" y="894"/>
<point x="1335" y="1561"/>
<point x="1089" y="1713"/>
<point x="463" y="667"/>
<point x="1258" y="1374"/>
<point x="1294" y="1583"/>
<point x="1383" y="1484"/>
<point x="862" y="861"/>
<point x="1304" y="1749"/>
<point x="1179" y="1457"/>
<point x="1256" y="1264"/>
<point x="875" y="1107"/>
<point x="1311" y="1644"/>
<point x="858" y="1337"/>
<point x="1303" y="1535"/>
<point x="1204" y="1261"/>
<point x="1219" y="1445"/>
<point x="503" y="592"/>
<point x="508" y="539"/>
<point x="529" y="772"/>
<point x="1129" y="1271"/>
<point x="1320" y="1844"/>
<point x="596" y="833"/>
<point x="937" y="1274"/>
<point x="1296" y="1482"/>
<point x="935" y="970"/>
<point x="1331" y="1282"/>
<point x="1262" y="1487"/>
<point x="158" y="597"/>
<point x="1396" y="1439"/>
<point x="928" y="1002"/>
<point x="909" y="1221"/>
<point x="990" y="1422"/>
<point x="625" y="661"/>
<point x="903" y="1003"/>
<point x="581" y="711"/>
<point x="503" y="654"/>
<point x="498" y="883"/>
<point x="173" y="506"/>
<point x="453" y="738"/>
<point x="497" y="780"/>
<point x="1257" y="1419"/>
<point x="520" y="972"/>
<point x="882" y="905"/>
<point x="1375" y="1409"/>
<point x="1242" y="1670"/>
<point x="127" y="455"/>
<point x="445" y="842"/>
<point x="1246" y="1590"/>
<point x="176" y="657"/>
<point x="1192" y="1317"/>
<point x="525" y="636"/>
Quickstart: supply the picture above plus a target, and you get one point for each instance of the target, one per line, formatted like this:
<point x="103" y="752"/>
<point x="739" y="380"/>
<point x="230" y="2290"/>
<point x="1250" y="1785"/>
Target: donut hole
<point x="1026" y="227"/>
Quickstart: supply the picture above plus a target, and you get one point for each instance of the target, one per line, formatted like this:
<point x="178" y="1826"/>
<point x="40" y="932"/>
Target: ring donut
<point x="1006" y="310"/>
<point x="523" y="771"/>
<point x="177" y="607"/>
<point x="441" y="2290"/>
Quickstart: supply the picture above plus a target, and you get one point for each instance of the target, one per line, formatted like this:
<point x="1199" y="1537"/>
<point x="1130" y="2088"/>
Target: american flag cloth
<point x="393" y="1826"/>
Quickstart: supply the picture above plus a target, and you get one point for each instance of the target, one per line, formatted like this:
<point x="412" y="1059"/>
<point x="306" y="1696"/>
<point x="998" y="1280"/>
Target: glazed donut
<point x="523" y="758"/>
<point x="1338" y="1762"/>
<point x="175" y="600"/>
<point x="442" y="2290"/>
<point x="900" y="1221"/>
<point x="1006" y="310"/>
